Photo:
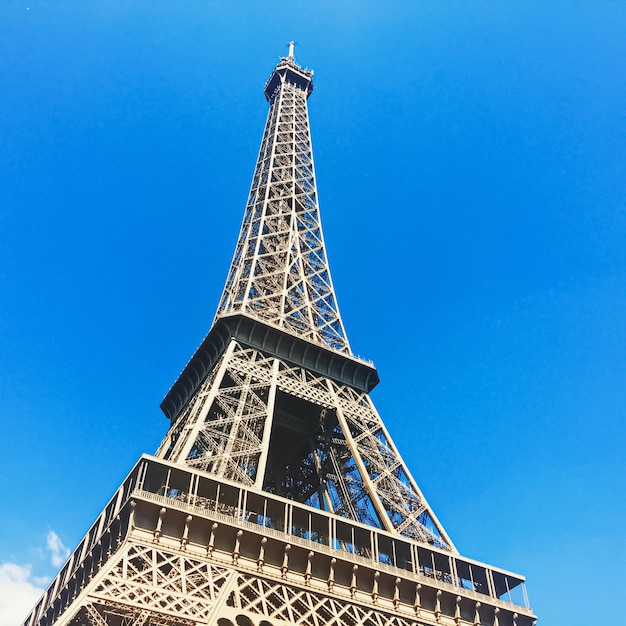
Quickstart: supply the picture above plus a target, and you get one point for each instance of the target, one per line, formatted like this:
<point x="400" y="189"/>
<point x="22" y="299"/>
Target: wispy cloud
<point x="20" y="589"/>
<point x="18" y="593"/>
<point x="58" y="551"/>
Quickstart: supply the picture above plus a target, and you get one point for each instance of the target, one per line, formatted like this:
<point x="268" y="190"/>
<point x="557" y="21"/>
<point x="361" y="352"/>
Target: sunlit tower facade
<point x="277" y="495"/>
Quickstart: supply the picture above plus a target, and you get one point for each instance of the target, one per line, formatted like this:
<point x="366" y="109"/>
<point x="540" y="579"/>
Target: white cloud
<point x="58" y="552"/>
<point x="18" y="593"/>
<point x="20" y="589"/>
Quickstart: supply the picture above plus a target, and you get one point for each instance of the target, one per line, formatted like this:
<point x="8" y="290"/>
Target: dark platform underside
<point x="270" y="340"/>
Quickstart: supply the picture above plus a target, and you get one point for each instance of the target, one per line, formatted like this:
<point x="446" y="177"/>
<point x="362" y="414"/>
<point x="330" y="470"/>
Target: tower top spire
<point x="289" y="71"/>
<point x="279" y="272"/>
<point x="275" y="449"/>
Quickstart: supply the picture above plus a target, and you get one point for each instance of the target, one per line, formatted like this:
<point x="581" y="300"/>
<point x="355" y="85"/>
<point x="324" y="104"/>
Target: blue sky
<point x="471" y="170"/>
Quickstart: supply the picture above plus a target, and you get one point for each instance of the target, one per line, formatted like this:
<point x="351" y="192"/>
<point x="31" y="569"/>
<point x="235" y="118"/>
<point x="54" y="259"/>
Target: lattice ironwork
<point x="265" y="422"/>
<point x="279" y="271"/>
<point x="276" y="402"/>
<point x="149" y="585"/>
<point x="150" y="578"/>
<point x="300" y="605"/>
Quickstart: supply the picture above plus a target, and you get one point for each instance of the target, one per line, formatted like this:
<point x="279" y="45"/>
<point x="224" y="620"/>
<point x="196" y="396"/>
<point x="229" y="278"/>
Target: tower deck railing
<point x="171" y="486"/>
<point x="201" y="494"/>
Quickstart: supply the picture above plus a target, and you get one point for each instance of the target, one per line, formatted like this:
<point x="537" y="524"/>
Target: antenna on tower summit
<point x="277" y="495"/>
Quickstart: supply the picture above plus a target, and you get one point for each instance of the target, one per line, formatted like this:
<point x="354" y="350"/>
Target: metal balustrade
<point x="179" y="486"/>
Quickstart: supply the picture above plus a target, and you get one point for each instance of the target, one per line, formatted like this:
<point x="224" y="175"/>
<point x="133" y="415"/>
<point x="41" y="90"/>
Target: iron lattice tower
<point x="277" y="495"/>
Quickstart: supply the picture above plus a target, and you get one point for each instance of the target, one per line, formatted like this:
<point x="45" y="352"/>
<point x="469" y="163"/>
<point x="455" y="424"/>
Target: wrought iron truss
<point x="271" y="424"/>
<point x="265" y="421"/>
<point x="277" y="495"/>
<point x="176" y="546"/>
<point x="279" y="271"/>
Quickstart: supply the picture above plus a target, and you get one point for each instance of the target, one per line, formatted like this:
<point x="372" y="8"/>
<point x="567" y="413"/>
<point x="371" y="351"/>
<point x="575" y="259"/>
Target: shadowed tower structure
<point x="277" y="495"/>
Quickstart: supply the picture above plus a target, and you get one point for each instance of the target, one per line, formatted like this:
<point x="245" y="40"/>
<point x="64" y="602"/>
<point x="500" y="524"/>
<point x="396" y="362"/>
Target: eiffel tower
<point x="277" y="495"/>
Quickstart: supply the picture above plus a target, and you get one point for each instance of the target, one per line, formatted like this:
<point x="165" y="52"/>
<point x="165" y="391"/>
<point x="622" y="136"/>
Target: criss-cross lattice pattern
<point x="221" y="429"/>
<point x="279" y="271"/>
<point x="316" y="441"/>
<point x="109" y="613"/>
<point x="296" y="605"/>
<point x="151" y="579"/>
<point x="273" y="400"/>
<point x="262" y="421"/>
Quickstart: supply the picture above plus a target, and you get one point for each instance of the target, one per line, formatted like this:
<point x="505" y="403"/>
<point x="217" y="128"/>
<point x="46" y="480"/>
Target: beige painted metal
<point x="241" y="413"/>
<point x="280" y="274"/>
<point x="183" y="560"/>
<point x="279" y="271"/>
<point x="211" y="530"/>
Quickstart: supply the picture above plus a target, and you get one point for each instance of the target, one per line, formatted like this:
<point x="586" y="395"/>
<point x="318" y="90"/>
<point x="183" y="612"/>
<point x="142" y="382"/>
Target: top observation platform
<point x="289" y="71"/>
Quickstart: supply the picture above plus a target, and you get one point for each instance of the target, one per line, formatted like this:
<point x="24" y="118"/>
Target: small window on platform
<point x="442" y="567"/>
<point x="228" y="500"/>
<point x="178" y="485"/>
<point x="300" y="523"/>
<point x="385" y="550"/>
<point x="362" y="542"/>
<point x="255" y="506"/>
<point x="509" y="588"/>
<point x="207" y="494"/>
<point x="403" y="555"/>
<point x="155" y="478"/>
<point x="275" y="515"/>
<point x="344" y="539"/>
<point x="319" y="528"/>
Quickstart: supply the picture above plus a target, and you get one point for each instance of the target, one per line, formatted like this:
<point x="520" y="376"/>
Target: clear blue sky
<point x="471" y="170"/>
